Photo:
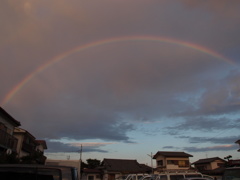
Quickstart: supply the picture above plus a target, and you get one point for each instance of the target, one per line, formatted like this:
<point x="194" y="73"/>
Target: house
<point x="8" y="143"/>
<point x="169" y="160"/>
<point x="41" y="145"/>
<point x="28" y="145"/>
<point x="238" y="142"/>
<point x="91" y="174"/>
<point x="210" y="166"/>
<point x="113" y="168"/>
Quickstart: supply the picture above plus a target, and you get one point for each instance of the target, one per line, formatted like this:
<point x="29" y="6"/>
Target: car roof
<point x="34" y="166"/>
<point x="195" y="178"/>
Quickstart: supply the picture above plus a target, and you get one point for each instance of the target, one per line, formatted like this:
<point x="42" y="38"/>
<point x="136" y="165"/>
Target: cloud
<point x="221" y="7"/>
<point x="104" y="92"/>
<point x="214" y="140"/>
<point x="73" y="147"/>
<point x="227" y="147"/>
<point x="88" y="144"/>
<point x="204" y="124"/>
<point x="168" y="147"/>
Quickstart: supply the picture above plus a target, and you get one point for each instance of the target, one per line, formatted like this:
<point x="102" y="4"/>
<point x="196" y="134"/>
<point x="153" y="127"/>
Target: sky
<point x="123" y="78"/>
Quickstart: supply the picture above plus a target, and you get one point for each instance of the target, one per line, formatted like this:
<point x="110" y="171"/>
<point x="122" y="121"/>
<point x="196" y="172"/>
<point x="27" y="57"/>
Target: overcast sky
<point x="123" y="78"/>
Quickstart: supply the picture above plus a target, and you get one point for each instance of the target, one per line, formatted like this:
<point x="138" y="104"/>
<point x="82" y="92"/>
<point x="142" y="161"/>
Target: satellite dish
<point x="9" y="151"/>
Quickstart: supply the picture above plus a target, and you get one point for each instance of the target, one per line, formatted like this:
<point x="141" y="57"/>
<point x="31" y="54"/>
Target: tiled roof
<point x="208" y="160"/>
<point x="9" y="117"/>
<point x="171" y="154"/>
<point x="43" y="143"/>
<point x="124" y="166"/>
<point x="24" y="132"/>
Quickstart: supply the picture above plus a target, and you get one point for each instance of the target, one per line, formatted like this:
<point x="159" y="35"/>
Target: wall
<point x="73" y="163"/>
<point x="91" y="177"/>
<point x="172" y="166"/>
<point x="214" y="164"/>
<point x="20" y="138"/>
<point x="8" y="125"/>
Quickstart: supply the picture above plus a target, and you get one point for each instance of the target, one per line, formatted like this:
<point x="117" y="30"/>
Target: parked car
<point x="37" y="172"/>
<point x="195" y="178"/>
<point x="174" y="175"/>
<point x="208" y="177"/>
<point x="149" y="177"/>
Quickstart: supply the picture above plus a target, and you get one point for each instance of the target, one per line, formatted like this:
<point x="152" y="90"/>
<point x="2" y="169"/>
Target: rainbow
<point x="68" y="53"/>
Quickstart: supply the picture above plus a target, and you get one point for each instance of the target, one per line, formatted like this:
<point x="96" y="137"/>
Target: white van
<point x="131" y="177"/>
<point x="175" y="175"/>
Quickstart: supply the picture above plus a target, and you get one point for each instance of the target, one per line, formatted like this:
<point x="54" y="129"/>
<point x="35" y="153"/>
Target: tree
<point x="93" y="163"/>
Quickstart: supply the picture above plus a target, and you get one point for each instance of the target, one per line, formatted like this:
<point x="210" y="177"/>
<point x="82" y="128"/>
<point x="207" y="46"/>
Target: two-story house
<point x="210" y="166"/>
<point x="26" y="142"/>
<point x="28" y="145"/>
<point x="168" y="160"/>
<point x="8" y="143"/>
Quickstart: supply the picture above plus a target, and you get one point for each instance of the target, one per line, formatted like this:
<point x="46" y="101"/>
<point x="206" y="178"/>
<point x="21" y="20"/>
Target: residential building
<point x="91" y="174"/>
<point x="8" y="143"/>
<point x="26" y="142"/>
<point x="113" y="168"/>
<point x="169" y="160"/>
<point x="28" y="145"/>
<point x="210" y="166"/>
<point x="41" y="145"/>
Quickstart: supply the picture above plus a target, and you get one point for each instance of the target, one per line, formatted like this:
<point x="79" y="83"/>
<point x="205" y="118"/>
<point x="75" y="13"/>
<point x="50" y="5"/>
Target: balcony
<point x="30" y="148"/>
<point x="7" y="141"/>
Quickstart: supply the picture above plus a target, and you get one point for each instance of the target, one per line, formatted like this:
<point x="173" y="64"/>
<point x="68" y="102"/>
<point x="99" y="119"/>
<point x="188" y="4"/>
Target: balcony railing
<point x="30" y="148"/>
<point x="8" y="141"/>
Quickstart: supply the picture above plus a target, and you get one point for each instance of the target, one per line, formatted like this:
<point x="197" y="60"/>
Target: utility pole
<point x="81" y="154"/>
<point x="151" y="161"/>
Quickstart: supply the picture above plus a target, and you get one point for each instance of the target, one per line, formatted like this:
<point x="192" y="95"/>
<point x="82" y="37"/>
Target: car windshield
<point x="192" y="175"/>
<point x="29" y="173"/>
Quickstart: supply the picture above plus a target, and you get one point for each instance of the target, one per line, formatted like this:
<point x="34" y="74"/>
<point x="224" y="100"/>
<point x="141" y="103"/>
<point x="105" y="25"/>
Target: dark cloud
<point x="204" y="124"/>
<point x="212" y="148"/>
<point x="213" y="140"/>
<point x="68" y="148"/>
<point x="103" y="92"/>
<point x="168" y="147"/>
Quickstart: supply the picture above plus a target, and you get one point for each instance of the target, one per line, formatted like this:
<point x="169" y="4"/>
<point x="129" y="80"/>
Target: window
<point x="183" y="163"/>
<point x="160" y="163"/>
<point x="90" y="177"/>
<point x="171" y="162"/>
<point x="163" y="177"/>
<point x="3" y="127"/>
<point x="29" y="174"/>
<point x="176" y="177"/>
<point x="220" y="164"/>
<point x="192" y="175"/>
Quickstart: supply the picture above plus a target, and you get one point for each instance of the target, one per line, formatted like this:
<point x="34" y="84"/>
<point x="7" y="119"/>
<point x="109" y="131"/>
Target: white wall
<point x="73" y="163"/>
